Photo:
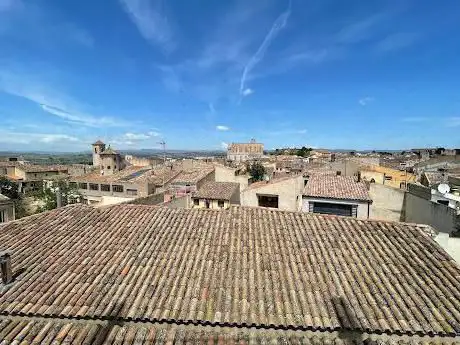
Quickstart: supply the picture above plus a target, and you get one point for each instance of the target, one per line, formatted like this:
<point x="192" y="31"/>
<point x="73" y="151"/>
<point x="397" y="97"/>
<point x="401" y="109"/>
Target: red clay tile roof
<point x="192" y="175"/>
<point x="71" y="332"/>
<point x="336" y="187"/>
<point x="217" y="190"/>
<point x="233" y="268"/>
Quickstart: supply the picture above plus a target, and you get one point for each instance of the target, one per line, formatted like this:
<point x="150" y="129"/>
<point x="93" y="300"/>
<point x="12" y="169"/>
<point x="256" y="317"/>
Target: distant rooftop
<point x="336" y="187"/>
<point x="99" y="142"/>
<point x="217" y="190"/>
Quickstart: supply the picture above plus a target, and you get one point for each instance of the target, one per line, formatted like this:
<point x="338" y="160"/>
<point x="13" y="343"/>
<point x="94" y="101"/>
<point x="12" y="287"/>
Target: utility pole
<point x="163" y="145"/>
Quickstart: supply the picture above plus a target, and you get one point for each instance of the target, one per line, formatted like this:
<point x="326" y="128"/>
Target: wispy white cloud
<point x="414" y="119"/>
<point x="140" y="136"/>
<point x="247" y="92"/>
<point x="223" y="145"/>
<point x="211" y="107"/>
<point x="27" y="138"/>
<point x="53" y="138"/>
<point x="151" y="21"/>
<point x="366" y="100"/>
<point x="277" y="26"/>
<point x="360" y="30"/>
<point x="222" y="128"/>
<point x="52" y="101"/>
<point x="396" y="41"/>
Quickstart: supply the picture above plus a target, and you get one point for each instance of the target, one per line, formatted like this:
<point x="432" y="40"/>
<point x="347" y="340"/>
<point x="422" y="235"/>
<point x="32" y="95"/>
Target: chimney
<point x="58" y="198"/>
<point x="5" y="265"/>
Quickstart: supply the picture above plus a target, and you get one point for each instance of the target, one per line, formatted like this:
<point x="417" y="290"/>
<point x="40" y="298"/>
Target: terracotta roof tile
<point x="238" y="267"/>
<point x="336" y="187"/>
<point x="217" y="190"/>
<point x="71" y="332"/>
<point x="192" y="175"/>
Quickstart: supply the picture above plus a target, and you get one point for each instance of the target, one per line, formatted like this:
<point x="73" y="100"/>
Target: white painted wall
<point x="362" y="210"/>
<point x="289" y="192"/>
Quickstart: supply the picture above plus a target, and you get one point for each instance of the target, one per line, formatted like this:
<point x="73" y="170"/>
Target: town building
<point x="6" y="209"/>
<point x="130" y="183"/>
<point x="281" y="193"/>
<point x="438" y="208"/>
<point x="30" y="177"/>
<point x="191" y="180"/>
<point x="388" y="176"/>
<point x="242" y="152"/>
<point x="136" y="274"/>
<point x="217" y="195"/>
<point x="107" y="160"/>
<point x="338" y="195"/>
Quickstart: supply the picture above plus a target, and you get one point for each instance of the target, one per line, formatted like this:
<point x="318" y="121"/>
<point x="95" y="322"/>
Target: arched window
<point x="372" y="180"/>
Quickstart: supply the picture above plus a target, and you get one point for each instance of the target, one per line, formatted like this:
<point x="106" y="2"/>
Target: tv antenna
<point x="163" y="145"/>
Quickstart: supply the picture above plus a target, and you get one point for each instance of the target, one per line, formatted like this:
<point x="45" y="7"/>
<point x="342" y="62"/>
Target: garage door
<point x="337" y="209"/>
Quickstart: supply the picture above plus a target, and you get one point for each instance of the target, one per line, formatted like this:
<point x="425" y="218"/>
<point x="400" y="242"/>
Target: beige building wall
<point x="224" y="174"/>
<point x="378" y="177"/>
<point x="289" y="192"/>
<point x="213" y="204"/>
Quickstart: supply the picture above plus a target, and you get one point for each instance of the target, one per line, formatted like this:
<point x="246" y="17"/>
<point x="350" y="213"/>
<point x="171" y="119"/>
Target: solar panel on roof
<point x="134" y="174"/>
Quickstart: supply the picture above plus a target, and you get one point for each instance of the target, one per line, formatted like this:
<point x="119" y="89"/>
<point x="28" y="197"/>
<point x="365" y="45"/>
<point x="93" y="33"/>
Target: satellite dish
<point x="443" y="188"/>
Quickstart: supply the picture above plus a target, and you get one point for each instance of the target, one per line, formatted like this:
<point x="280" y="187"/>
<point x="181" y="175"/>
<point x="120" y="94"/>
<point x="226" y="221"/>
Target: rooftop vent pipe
<point x="5" y="266"/>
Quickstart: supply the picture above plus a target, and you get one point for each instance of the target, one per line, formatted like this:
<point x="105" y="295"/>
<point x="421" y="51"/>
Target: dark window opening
<point x="131" y="191"/>
<point x="105" y="187"/>
<point x="95" y="150"/>
<point x="117" y="188"/>
<point x="196" y="202"/>
<point x="108" y="167"/>
<point x="335" y="209"/>
<point x="388" y="178"/>
<point x="207" y="203"/>
<point x="372" y="180"/>
<point x="83" y="185"/>
<point x="443" y="202"/>
<point x="220" y="203"/>
<point x="93" y="186"/>
<point x="268" y="201"/>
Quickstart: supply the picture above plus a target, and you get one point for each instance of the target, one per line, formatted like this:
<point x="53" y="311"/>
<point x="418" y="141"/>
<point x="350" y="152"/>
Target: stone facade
<point x="241" y="152"/>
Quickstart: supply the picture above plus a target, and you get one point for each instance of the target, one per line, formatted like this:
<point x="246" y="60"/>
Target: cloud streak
<point x="51" y="101"/>
<point x="222" y="128"/>
<point x="151" y="21"/>
<point x="365" y="101"/>
<point x="277" y="26"/>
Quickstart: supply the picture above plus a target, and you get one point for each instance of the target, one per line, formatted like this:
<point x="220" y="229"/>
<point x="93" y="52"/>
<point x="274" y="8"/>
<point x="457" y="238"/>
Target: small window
<point x="388" y="178"/>
<point x="73" y="185"/>
<point x="196" y="202"/>
<point x="83" y="185"/>
<point x="131" y="191"/>
<point x="3" y="217"/>
<point x="402" y="185"/>
<point x="108" y="167"/>
<point x="93" y="186"/>
<point x="105" y="187"/>
<point x="117" y="188"/>
<point x="220" y="203"/>
<point x="339" y="173"/>
<point x="443" y="202"/>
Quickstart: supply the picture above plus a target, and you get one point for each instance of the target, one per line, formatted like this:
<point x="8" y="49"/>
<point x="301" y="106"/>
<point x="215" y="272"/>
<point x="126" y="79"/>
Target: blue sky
<point x="201" y="74"/>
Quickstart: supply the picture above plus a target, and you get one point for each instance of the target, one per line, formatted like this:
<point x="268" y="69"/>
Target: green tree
<point x="48" y="195"/>
<point x="303" y="152"/>
<point x="256" y="170"/>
